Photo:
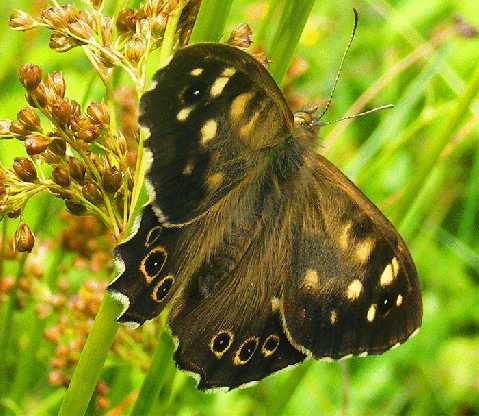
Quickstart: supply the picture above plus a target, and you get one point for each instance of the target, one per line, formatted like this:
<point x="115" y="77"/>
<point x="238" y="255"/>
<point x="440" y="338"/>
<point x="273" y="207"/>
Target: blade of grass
<point x="211" y="20"/>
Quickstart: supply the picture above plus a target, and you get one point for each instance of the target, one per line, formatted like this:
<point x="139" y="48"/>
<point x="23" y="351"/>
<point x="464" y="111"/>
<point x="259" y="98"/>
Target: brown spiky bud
<point x="85" y="128"/>
<point x="61" y="176"/>
<point x="126" y="21"/>
<point x="91" y="192"/>
<point x="62" y="43"/>
<point x="30" y="76"/>
<point x="55" y="17"/>
<point x="18" y="129"/>
<point x="134" y="50"/>
<point x="80" y="29"/>
<point x="75" y="209"/>
<point x="240" y="36"/>
<point x="61" y="111"/>
<point x="99" y="113"/>
<point x="45" y="96"/>
<point x="36" y="143"/>
<point x="77" y="169"/>
<point x="50" y="157"/>
<point x="29" y="119"/>
<point x="106" y="24"/>
<point x="158" y="25"/>
<point x="96" y="160"/>
<point x="24" y="169"/>
<point x="71" y="11"/>
<point x="96" y="3"/>
<point x="58" y="146"/>
<point x="24" y="239"/>
<point x="87" y="18"/>
<point x="112" y="179"/>
<point x="5" y="124"/>
<point x="21" y="21"/>
<point x="14" y="213"/>
<point x="56" y="83"/>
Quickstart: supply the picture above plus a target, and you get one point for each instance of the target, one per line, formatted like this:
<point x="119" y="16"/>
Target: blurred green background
<point x="413" y="54"/>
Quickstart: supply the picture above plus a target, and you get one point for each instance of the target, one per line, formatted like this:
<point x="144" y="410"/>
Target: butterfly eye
<point x="270" y="345"/>
<point x="385" y="303"/>
<point x="154" y="262"/>
<point x="162" y="289"/>
<point x="246" y="351"/>
<point x="221" y="342"/>
<point x="194" y="93"/>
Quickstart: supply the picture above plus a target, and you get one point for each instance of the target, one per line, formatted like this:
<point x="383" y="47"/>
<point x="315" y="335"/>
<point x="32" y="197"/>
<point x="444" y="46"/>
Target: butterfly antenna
<point x="372" y="110"/>
<point x="355" y="25"/>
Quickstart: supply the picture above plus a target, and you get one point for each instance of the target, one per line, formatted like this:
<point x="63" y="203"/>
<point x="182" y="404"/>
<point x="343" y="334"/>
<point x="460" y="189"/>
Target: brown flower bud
<point x="29" y="119"/>
<point x="77" y="169"/>
<point x="126" y="21"/>
<point x="14" y="213"/>
<point x="75" y="209"/>
<point x="96" y="160"/>
<point x="18" y="129"/>
<point x="61" y="176"/>
<point x="55" y="17"/>
<point x="56" y="83"/>
<point x="91" y="192"/>
<point x="134" y="50"/>
<point x="45" y="96"/>
<point x="99" y="113"/>
<point x="61" y="111"/>
<point x="50" y="157"/>
<point x="62" y="43"/>
<point x="21" y="21"/>
<point x="58" y="146"/>
<point x="24" y="169"/>
<point x="158" y="25"/>
<point x="96" y="3"/>
<point x="5" y="124"/>
<point x="88" y="135"/>
<point x="36" y="143"/>
<point x="112" y="179"/>
<point x="24" y="239"/>
<point x="106" y="24"/>
<point x="71" y="11"/>
<point x="240" y="36"/>
<point x="30" y="76"/>
<point x="80" y="29"/>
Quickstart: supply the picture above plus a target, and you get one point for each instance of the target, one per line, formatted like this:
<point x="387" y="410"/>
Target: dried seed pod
<point x="24" y="239"/>
<point x="56" y="83"/>
<point x="50" y="157"/>
<point x="29" y="119"/>
<point x="106" y="24"/>
<point x="55" y="17"/>
<point x="18" y="129"/>
<point x="134" y="50"/>
<point x="61" y="111"/>
<point x="99" y="113"/>
<point x="30" y="76"/>
<point x="91" y="192"/>
<point x="36" y="143"/>
<point x="61" y="176"/>
<point x="21" y="21"/>
<point x="77" y="169"/>
<point x="58" y="146"/>
<point x="240" y="36"/>
<point x="44" y="95"/>
<point x="80" y="29"/>
<point x="5" y="124"/>
<point x="126" y="21"/>
<point x="62" y="43"/>
<point x="112" y="179"/>
<point x="75" y="209"/>
<point x="24" y="169"/>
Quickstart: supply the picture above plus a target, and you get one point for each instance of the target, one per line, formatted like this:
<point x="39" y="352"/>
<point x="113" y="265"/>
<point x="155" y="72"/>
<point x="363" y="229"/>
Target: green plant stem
<point x="292" y="21"/>
<point x="211" y="20"/>
<point x="91" y="359"/>
<point x="155" y="376"/>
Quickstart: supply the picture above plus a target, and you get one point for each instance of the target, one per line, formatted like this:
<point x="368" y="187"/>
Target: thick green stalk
<point x="211" y="20"/>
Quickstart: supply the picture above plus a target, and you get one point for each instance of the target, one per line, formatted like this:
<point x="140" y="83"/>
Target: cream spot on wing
<point x="275" y="304"/>
<point x="333" y="316"/>
<point x="371" y="313"/>
<point x="354" y="289"/>
<point x="188" y="169"/>
<point x="195" y="72"/>
<point x="343" y="238"/>
<point x="208" y="131"/>
<point x="346" y="357"/>
<point x="363" y="249"/>
<point x="399" y="300"/>
<point x="246" y="129"/>
<point x="238" y="105"/>
<point x="220" y="82"/>
<point x="311" y="279"/>
<point x="214" y="181"/>
<point x="363" y="354"/>
<point x="184" y="113"/>
<point x="390" y="272"/>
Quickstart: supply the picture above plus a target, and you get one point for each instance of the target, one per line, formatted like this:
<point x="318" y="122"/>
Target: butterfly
<point x="267" y="251"/>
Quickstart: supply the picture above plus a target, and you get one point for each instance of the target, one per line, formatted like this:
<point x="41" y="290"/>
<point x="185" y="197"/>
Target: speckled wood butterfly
<point x="272" y="254"/>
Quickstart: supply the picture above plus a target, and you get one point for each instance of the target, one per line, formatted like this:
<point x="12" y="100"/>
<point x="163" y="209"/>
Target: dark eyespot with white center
<point x="162" y="288"/>
<point x="386" y="302"/>
<point x="194" y="92"/>
<point x="152" y="235"/>
<point x="220" y="343"/>
<point x="153" y="263"/>
<point x="270" y="345"/>
<point x="245" y="351"/>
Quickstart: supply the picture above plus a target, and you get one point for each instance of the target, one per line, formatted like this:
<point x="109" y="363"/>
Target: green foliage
<point x="418" y="161"/>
